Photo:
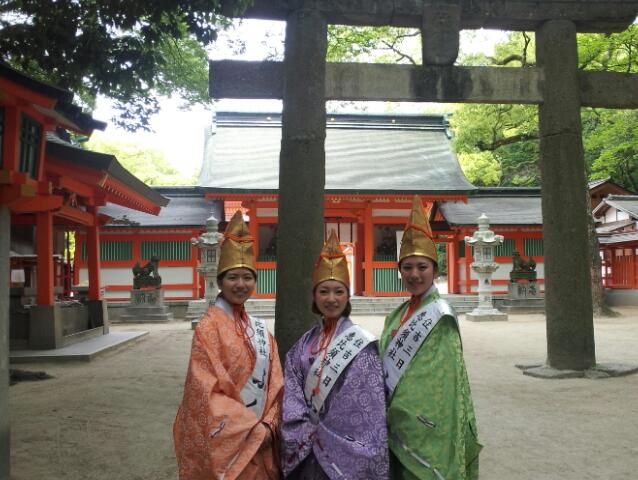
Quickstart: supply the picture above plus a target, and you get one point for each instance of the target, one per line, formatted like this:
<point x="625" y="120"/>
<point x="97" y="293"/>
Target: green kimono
<point x="435" y="388"/>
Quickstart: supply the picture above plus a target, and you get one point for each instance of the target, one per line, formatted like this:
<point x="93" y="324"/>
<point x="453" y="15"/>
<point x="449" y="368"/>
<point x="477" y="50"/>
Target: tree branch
<point x="497" y="143"/>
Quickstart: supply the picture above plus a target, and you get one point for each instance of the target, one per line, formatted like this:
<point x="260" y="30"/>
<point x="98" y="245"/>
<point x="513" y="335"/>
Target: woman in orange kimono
<point x="227" y="424"/>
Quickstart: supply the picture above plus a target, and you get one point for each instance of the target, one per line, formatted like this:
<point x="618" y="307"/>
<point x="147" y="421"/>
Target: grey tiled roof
<point x="595" y="183"/>
<point x="611" y="226"/>
<point x="64" y="108"/>
<point x="625" y="203"/>
<point x="506" y="208"/>
<point x="617" y="238"/>
<point x="101" y="161"/>
<point x="183" y="210"/>
<point x="364" y="154"/>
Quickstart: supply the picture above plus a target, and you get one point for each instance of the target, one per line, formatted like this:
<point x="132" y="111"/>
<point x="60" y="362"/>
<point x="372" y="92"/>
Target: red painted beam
<point x="65" y="182"/>
<point x="368" y="251"/>
<point x="76" y="215"/>
<point x="10" y="194"/>
<point x="36" y="204"/>
<point x="93" y="254"/>
<point x="24" y="94"/>
<point x="407" y="199"/>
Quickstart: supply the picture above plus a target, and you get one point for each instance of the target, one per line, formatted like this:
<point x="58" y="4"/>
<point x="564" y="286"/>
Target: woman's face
<point x="417" y="274"/>
<point x="237" y="285"/>
<point x="331" y="298"/>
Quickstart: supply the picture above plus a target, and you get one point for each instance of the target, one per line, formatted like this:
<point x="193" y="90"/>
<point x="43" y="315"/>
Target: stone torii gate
<point x="305" y="81"/>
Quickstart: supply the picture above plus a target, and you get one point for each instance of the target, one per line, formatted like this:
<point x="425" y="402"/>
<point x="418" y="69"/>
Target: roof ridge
<point x="612" y="196"/>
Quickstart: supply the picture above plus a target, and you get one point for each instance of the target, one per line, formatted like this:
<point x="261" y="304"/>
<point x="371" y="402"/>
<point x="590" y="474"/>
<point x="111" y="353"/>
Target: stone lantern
<point x="484" y="242"/>
<point x="209" y="245"/>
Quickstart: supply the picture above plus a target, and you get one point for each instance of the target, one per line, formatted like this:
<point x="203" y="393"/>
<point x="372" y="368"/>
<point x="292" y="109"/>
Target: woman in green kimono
<point x="431" y="422"/>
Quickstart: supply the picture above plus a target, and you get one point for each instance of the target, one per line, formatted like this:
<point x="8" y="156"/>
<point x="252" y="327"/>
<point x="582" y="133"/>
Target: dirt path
<point x="111" y="418"/>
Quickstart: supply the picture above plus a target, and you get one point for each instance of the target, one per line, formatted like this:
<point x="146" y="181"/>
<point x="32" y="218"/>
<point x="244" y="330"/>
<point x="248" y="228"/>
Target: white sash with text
<point x="254" y="392"/>
<point x="339" y="354"/>
<point x="406" y="343"/>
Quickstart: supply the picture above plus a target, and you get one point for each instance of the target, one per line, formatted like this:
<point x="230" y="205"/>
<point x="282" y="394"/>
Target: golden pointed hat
<point x="417" y="235"/>
<point x="332" y="263"/>
<point x="237" y="246"/>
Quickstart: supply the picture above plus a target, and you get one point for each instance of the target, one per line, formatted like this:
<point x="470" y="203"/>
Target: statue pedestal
<point x="523" y="290"/>
<point x="524" y="297"/>
<point x="147" y="305"/>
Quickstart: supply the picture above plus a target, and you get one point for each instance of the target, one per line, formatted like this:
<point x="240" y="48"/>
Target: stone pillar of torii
<point x="305" y="82"/>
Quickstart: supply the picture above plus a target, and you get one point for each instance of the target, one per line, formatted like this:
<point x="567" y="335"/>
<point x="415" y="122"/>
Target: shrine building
<point x="617" y="231"/>
<point x="53" y="189"/>
<point x="374" y="165"/>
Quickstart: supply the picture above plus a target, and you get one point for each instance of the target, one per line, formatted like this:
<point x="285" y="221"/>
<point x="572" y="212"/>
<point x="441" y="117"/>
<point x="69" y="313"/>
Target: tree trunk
<point x="301" y="173"/>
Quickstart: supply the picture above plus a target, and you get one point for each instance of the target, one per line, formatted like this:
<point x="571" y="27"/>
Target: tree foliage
<point x="507" y="135"/>
<point x="501" y="135"/>
<point x="383" y="44"/>
<point x="147" y="164"/>
<point x="612" y="147"/>
<point x="129" y="51"/>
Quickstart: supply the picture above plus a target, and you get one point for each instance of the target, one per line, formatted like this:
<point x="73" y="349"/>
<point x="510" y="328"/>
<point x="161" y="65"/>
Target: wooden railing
<point x="624" y="272"/>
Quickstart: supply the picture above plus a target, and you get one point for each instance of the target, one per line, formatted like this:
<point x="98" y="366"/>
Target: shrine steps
<point x="368" y="306"/>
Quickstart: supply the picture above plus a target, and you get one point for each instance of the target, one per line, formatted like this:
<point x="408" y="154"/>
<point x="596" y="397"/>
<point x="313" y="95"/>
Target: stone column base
<point x="487" y="315"/>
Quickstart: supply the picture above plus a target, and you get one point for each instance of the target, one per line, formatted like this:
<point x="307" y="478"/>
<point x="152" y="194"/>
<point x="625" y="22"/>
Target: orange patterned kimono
<point x="215" y="435"/>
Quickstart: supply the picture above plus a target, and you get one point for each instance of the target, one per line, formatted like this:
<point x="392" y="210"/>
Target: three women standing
<point x="333" y="423"/>
<point x="227" y="424"/>
<point x="431" y="422"/>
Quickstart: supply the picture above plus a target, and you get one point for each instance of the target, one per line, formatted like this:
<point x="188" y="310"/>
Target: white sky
<point x="180" y="134"/>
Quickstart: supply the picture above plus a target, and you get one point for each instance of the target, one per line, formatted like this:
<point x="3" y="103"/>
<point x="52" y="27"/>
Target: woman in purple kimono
<point x="333" y="424"/>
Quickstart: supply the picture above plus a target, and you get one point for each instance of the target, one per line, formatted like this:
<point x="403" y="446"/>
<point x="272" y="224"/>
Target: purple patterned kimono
<point x="349" y="439"/>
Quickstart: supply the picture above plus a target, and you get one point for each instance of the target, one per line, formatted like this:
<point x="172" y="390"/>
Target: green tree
<point x="507" y="135"/>
<point x="504" y="137"/>
<point x="612" y="147"/>
<point x="383" y="44"/>
<point x="610" y="136"/>
<point x="127" y="51"/>
<point x="147" y="164"/>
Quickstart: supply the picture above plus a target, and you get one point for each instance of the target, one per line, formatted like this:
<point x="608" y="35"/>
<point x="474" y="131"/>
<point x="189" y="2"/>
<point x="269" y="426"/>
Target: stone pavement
<point x="112" y="418"/>
<point x="81" y="351"/>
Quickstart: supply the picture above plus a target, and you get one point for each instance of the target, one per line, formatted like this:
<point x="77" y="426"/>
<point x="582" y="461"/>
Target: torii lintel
<point x="593" y="16"/>
<point x="407" y="83"/>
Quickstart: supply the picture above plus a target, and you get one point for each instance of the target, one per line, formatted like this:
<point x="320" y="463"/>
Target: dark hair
<point x="345" y="313"/>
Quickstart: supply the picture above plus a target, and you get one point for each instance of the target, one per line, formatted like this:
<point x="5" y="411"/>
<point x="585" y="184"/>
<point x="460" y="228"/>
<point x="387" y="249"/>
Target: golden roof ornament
<point x="417" y="235"/>
<point x="237" y="246"/>
<point x="332" y="263"/>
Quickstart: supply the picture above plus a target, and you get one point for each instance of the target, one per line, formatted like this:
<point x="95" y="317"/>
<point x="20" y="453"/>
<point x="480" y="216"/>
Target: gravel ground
<point x="111" y="418"/>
